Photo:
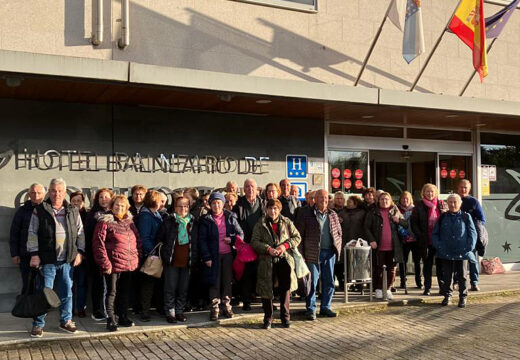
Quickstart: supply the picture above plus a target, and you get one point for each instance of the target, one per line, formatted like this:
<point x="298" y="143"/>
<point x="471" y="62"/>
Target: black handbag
<point x="35" y="302"/>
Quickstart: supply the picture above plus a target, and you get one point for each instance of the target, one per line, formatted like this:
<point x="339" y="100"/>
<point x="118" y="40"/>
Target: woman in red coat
<point x="116" y="248"/>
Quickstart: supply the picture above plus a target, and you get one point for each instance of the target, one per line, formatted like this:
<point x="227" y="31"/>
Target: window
<point x="435" y="134"/>
<point x="453" y="168"/>
<point x="348" y="171"/>
<point x="302" y="5"/>
<point x="366" y="130"/>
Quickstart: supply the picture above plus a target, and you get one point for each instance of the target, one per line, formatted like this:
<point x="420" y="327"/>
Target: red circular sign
<point x="336" y="183"/>
<point x="358" y="174"/>
<point x="444" y="165"/>
<point x="347" y="173"/>
<point x="335" y="173"/>
<point x="453" y="174"/>
<point x="444" y="173"/>
<point x="462" y="174"/>
<point x="347" y="184"/>
<point x="358" y="184"/>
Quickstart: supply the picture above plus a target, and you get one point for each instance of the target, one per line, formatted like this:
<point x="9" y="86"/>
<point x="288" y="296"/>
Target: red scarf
<point x="433" y="215"/>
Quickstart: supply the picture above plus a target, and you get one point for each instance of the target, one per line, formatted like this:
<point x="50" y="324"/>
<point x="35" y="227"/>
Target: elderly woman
<point x="136" y="199"/>
<point x="339" y="202"/>
<point x="231" y="200"/>
<point x="381" y="231"/>
<point x="454" y="237"/>
<point x="116" y="248"/>
<point x="217" y="234"/>
<point x="406" y="206"/>
<point x="177" y="251"/>
<point x="422" y="221"/>
<point x="148" y="222"/>
<point x="273" y="238"/>
<point x="101" y="204"/>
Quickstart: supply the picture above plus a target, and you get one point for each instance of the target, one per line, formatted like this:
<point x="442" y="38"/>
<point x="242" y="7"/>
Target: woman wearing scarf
<point x="116" y="249"/>
<point x="406" y="206"/>
<point x="381" y="232"/>
<point x="272" y="237"/>
<point x="423" y="219"/>
<point x="177" y="253"/>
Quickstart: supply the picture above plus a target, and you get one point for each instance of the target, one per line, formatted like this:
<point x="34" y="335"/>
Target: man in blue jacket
<point x="472" y="206"/>
<point x="454" y="237"/>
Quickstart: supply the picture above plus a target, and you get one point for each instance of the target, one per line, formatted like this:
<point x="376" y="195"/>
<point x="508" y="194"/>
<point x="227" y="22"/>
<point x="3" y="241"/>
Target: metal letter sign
<point x="296" y="166"/>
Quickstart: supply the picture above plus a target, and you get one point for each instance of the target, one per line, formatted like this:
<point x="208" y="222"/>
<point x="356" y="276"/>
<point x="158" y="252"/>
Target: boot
<point x="111" y="324"/>
<point x="213" y="315"/>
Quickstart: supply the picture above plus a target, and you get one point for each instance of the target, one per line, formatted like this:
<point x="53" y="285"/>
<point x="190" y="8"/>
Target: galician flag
<point x="413" y="37"/>
<point x="469" y="25"/>
<point x="396" y="11"/>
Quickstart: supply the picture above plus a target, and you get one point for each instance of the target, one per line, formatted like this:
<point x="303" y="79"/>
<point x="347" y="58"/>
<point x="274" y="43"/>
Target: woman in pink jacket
<point x="116" y="248"/>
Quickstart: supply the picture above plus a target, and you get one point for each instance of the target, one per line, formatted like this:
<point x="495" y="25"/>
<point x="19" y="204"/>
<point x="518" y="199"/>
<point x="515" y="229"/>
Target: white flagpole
<point x="434" y="49"/>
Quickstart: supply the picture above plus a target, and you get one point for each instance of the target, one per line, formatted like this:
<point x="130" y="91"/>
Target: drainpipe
<point x="124" y="41"/>
<point x="97" y="34"/>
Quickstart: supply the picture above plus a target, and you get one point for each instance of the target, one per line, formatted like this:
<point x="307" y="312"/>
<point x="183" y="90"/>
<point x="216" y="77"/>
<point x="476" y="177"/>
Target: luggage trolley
<point x="357" y="262"/>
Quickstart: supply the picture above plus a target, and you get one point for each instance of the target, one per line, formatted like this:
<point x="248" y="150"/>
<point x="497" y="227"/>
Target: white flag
<point x="396" y="13"/>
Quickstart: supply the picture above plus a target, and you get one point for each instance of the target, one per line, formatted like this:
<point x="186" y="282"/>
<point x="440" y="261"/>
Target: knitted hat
<point x="217" y="196"/>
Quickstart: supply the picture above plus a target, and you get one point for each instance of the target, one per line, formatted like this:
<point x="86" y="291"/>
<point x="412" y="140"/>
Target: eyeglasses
<point x="182" y="206"/>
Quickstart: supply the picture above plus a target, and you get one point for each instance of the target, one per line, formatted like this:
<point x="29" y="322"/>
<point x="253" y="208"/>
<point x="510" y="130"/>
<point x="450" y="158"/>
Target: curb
<point x="341" y="308"/>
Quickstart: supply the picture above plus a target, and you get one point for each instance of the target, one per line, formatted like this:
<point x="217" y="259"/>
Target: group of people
<point x="219" y="249"/>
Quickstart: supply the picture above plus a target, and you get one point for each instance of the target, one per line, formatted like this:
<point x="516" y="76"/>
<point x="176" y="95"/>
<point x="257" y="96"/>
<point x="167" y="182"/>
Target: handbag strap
<point x="156" y="249"/>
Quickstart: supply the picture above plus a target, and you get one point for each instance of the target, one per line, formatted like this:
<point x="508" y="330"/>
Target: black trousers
<point x="416" y="258"/>
<point x="282" y="277"/>
<point x="97" y="281"/>
<point x="116" y="299"/>
<point x="152" y="292"/>
<point x="428" y="269"/>
<point x="453" y="269"/>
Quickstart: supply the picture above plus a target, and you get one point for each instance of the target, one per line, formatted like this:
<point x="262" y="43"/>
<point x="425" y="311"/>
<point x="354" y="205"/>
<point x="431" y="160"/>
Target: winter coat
<point x="289" y="206"/>
<point x="374" y="229"/>
<point x="148" y="224"/>
<point x="454" y="236"/>
<point x="208" y="240"/>
<point x="262" y="240"/>
<point x="19" y="230"/>
<point x="419" y="224"/>
<point x="352" y="226"/>
<point x="247" y="218"/>
<point x="115" y="244"/>
<point x="168" y="234"/>
<point x="310" y="232"/>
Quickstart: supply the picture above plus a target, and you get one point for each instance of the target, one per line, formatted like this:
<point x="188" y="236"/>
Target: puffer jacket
<point x="115" y="244"/>
<point x="309" y="228"/>
<point x="454" y="236"/>
<point x="148" y="224"/>
<point x="262" y="239"/>
<point x="374" y="229"/>
<point x="208" y="241"/>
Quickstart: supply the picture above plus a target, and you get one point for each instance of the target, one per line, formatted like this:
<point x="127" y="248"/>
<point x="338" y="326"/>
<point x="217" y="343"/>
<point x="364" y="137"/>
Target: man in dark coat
<point x="320" y="230"/>
<point x="19" y="231"/>
<point x="290" y="203"/>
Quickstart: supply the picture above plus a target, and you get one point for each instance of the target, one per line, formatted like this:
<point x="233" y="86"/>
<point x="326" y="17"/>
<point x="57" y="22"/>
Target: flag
<point x="469" y="24"/>
<point x="413" y="36"/>
<point x="396" y="12"/>
<point x="495" y="23"/>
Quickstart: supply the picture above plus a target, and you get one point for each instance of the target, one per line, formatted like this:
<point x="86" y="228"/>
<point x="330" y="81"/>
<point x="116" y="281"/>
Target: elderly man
<point x="19" y="231"/>
<point x="56" y="242"/>
<point x="320" y="231"/>
<point x="249" y="210"/>
<point x="472" y="206"/>
<point x="454" y="237"/>
<point x="231" y="187"/>
<point x="290" y="203"/>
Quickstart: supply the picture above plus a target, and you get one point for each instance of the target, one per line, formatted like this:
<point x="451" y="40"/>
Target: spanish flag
<point x="469" y="24"/>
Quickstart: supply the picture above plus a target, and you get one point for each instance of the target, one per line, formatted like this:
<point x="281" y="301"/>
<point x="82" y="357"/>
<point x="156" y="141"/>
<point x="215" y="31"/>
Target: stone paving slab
<point x="16" y="331"/>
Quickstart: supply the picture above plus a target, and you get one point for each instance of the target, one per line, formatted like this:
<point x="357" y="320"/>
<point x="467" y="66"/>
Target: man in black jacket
<point x="56" y="242"/>
<point x="19" y="231"/>
<point x="290" y="203"/>
<point x="249" y="210"/>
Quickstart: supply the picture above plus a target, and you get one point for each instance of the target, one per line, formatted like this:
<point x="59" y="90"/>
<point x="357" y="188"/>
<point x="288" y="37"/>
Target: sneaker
<point x="393" y="289"/>
<point x="98" y="316"/>
<point x="266" y="325"/>
<point x="462" y="302"/>
<point x="310" y="315"/>
<point x="111" y="325"/>
<point x="379" y="294"/>
<point x="68" y="326"/>
<point x="125" y="322"/>
<point x="446" y="301"/>
<point x="389" y="295"/>
<point x="328" y="313"/>
<point x="145" y="316"/>
<point x="474" y="288"/>
<point x="181" y="317"/>
<point x="36" y="332"/>
<point x="427" y="292"/>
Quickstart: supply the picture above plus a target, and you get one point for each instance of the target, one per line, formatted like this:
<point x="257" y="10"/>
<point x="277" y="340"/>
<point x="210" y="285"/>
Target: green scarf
<point x="183" y="229"/>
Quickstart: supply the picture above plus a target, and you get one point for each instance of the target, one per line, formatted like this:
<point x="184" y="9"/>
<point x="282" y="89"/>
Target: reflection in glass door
<point x="348" y="171"/>
<point x="452" y="169"/>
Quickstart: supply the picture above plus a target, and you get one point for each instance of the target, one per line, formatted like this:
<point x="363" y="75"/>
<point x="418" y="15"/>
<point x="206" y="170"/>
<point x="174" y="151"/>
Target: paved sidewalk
<point x="16" y="331"/>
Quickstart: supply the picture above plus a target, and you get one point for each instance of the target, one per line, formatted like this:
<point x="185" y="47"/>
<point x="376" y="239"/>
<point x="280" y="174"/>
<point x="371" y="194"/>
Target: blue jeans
<point x="64" y="272"/>
<point x="326" y="268"/>
<point x="474" y="268"/>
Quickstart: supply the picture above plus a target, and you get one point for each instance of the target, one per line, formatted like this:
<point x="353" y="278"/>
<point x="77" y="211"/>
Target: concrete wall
<point x="235" y="37"/>
<point x="106" y="130"/>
